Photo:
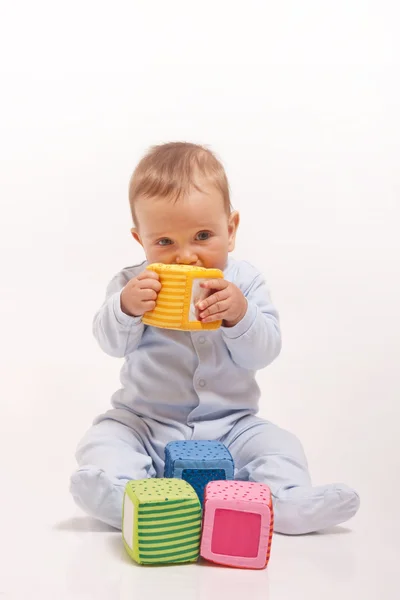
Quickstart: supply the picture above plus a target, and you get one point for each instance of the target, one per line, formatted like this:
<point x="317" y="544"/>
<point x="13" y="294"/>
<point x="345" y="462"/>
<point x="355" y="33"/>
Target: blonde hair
<point x="172" y="170"/>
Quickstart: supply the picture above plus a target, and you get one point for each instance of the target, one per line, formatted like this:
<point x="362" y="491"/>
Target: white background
<point x="301" y="102"/>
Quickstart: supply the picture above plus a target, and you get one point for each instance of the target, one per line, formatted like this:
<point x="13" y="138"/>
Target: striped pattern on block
<point x="174" y="301"/>
<point x="161" y="521"/>
<point x="238" y="524"/>
<point x="198" y="462"/>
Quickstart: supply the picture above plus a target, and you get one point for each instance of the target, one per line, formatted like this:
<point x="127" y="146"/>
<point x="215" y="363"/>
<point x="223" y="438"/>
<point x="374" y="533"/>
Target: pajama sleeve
<point x="117" y="333"/>
<point x="256" y="340"/>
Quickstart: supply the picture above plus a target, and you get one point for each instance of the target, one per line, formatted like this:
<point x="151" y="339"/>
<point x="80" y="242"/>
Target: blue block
<point x="198" y="462"/>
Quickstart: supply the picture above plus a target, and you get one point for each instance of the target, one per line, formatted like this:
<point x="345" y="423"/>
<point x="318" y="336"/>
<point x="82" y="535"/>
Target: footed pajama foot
<point x="301" y="509"/>
<point x="99" y="495"/>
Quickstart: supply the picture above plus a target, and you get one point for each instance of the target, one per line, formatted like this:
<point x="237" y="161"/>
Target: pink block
<point x="237" y="524"/>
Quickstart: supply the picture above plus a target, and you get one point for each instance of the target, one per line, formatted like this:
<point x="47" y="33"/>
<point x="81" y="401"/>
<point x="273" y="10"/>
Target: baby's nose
<point x="182" y="261"/>
<point x="186" y="258"/>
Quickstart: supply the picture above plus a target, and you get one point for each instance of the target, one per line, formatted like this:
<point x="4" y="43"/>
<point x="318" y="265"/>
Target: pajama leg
<point x="109" y="455"/>
<point x="268" y="454"/>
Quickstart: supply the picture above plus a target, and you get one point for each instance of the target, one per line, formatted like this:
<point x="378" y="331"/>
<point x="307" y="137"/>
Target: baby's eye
<point x="164" y="242"/>
<point x="203" y="235"/>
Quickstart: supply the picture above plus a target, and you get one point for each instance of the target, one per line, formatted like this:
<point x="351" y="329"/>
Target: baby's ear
<point x="233" y="225"/>
<point x="136" y="236"/>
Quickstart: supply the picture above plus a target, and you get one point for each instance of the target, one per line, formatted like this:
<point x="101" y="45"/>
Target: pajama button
<point x="202" y="383"/>
<point x="202" y="339"/>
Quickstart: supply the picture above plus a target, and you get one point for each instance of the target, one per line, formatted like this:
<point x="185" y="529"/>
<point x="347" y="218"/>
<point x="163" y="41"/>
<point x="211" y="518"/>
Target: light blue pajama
<point x="197" y="385"/>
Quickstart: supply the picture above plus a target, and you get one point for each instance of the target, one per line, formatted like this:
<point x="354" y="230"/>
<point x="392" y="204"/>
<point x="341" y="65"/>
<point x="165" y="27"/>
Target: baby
<point x="198" y="385"/>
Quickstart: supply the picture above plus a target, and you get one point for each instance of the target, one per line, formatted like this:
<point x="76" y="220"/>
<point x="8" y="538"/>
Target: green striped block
<point x="161" y="521"/>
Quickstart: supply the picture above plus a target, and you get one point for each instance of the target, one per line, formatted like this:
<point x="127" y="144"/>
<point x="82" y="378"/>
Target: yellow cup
<point x="179" y="294"/>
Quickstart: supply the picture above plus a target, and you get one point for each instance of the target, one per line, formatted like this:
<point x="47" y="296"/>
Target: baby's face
<point x="194" y="231"/>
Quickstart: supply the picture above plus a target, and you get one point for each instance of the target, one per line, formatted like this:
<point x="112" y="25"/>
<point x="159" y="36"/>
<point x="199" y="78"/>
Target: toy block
<point x="161" y="521"/>
<point x="198" y="462"/>
<point x="180" y="292"/>
<point x="237" y="524"/>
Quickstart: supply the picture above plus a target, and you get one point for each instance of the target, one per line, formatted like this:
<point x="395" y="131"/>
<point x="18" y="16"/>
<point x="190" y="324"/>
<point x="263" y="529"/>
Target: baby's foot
<point x="302" y="509"/>
<point x="98" y="494"/>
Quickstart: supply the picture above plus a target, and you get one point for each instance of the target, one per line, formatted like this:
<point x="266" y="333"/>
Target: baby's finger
<point x="147" y="274"/>
<point x="213" y="299"/>
<point x="148" y="294"/>
<point x="217" y="317"/>
<point x="217" y="308"/>
<point x="150" y="284"/>
<point x="215" y="284"/>
<point x="149" y="305"/>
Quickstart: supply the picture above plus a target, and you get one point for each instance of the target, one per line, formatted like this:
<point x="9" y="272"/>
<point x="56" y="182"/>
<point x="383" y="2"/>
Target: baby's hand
<point x="227" y="304"/>
<point x="140" y="294"/>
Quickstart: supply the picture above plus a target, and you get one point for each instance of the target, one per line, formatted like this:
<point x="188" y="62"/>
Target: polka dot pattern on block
<point x="194" y="450"/>
<point x="198" y="478"/>
<point x="160" y="490"/>
<point x="241" y="491"/>
<point x="198" y="462"/>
